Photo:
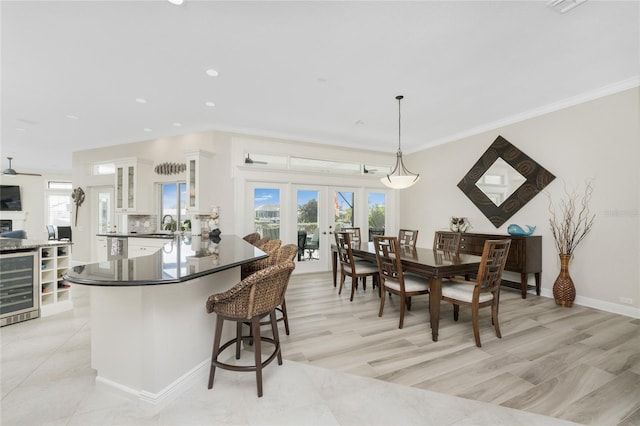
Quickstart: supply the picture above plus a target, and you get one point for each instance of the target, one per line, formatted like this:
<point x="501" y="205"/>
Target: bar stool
<point x="251" y="300"/>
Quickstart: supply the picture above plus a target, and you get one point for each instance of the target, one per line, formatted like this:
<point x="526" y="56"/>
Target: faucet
<point x="171" y="226"/>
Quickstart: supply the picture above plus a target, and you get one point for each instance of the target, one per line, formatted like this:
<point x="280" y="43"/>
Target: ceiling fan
<point x="11" y="172"/>
<point x="368" y="171"/>
<point x="249" y="160"/>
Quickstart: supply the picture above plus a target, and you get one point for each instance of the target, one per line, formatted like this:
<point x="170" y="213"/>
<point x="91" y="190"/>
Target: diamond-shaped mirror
<point x="500" y="181"/>
<point x="498" y="208"/>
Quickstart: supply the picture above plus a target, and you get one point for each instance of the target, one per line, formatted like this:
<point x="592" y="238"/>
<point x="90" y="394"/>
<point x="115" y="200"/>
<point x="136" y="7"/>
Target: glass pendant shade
<point x="400" y="177"/>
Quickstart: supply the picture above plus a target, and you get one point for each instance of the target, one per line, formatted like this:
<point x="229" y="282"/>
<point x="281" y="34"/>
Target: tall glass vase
<point x="564" y="292"/>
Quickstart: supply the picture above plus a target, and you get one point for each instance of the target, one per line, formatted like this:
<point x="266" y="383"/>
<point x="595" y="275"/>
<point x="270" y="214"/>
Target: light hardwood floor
<point x="578" y="364"/>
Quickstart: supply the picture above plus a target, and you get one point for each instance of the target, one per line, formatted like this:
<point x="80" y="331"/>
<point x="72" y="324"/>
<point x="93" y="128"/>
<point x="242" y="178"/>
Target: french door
<point x="309" y="215"/>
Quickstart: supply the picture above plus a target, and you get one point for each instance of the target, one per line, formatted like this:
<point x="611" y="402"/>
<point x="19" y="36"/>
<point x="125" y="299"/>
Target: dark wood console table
<point x="525" y="256"/>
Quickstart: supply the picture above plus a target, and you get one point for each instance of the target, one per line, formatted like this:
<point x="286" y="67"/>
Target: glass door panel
<point x="376" y="214"/>
<point x="266" y="205"/>
<point x="308" y="230"/>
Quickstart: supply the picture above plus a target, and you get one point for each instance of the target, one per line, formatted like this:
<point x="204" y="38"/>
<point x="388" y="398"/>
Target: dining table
<point x="434" y="265"/>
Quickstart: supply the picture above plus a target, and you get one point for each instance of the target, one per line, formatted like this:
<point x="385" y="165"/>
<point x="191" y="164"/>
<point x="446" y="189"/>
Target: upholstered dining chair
<point x="302" y="243"/>
<point x="447" y="241"/>
<point x="484" y="290"/>
<point x="251" y="300"/>
<point x="392" y="277"/>
<point x="251" y="238"/>
<point x="349" y="267"/>
<point x="408" y="237"/>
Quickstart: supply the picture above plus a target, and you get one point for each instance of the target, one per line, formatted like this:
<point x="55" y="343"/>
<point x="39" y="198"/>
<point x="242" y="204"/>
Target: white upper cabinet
<point x="134" y="187"/>
<point x="199" y="182"/>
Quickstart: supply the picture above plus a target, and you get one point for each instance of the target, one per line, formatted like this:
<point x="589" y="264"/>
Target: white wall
<point x="33" y="190"/>
<point x="598" y="140"/>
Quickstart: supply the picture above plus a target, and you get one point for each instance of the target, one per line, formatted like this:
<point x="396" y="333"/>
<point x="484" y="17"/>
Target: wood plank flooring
<point x="578" y="364"/>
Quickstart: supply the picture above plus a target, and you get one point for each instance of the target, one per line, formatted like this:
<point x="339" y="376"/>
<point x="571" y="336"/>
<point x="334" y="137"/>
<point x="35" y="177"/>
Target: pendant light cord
<point x="399" y="98"/>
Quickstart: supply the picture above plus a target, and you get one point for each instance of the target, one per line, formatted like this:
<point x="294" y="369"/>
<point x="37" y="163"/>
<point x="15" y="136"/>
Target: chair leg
<point x="354" y="283"/>
<point x="456" y="311"/>
<point x="474" y="321"/>
<point x="341" y="283"/>
<point x="284" y="316"/>
<point x="364" y="282"/>
<point x="276" y="335"/>
<point x="382" y="293"/>
<point x="494" y="318"/>
<point x="403" y="303"/>
<point x="408" y="303"/>
<point x="216" y="350"/>
<point x="257" y="347"/>
<point x="238" y="338"/>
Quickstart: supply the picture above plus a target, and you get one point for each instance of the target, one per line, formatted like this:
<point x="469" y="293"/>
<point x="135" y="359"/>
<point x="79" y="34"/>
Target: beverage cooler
<point x="19" y="299"/>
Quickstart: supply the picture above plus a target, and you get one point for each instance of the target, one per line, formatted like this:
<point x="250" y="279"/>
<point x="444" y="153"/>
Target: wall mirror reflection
<point x="503" y="180"/>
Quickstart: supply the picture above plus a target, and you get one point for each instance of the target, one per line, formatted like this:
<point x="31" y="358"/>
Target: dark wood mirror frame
<point x="537" y="177"/>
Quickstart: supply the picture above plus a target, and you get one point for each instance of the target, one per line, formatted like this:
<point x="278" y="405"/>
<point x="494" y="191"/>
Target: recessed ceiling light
<point x="176" y="2"/>
<point x="146" y="129"/>
<point x="211" y="72"/>
<point x="177" y="124"/>
<point x="141" y="100"/>
<point x="210" y="104"/>
<point x="72" y="117"/>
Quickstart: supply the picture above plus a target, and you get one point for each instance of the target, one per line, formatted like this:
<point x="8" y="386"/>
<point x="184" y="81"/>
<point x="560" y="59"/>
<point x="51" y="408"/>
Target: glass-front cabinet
<point x="132" y="194"/>
<point x="200" y="186"/>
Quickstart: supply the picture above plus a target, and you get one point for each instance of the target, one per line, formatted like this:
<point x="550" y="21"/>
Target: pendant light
<point x="400" y="177"/>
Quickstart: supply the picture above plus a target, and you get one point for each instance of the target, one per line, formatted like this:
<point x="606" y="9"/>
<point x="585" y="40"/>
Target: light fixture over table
<point x="400" y="177"/>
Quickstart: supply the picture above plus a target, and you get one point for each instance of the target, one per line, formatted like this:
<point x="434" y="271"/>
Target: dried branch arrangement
<point x="571" y="220"/>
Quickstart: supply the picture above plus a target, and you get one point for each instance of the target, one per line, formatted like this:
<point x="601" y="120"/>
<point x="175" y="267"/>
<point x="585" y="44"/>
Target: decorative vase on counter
<point x="564" y="292"/>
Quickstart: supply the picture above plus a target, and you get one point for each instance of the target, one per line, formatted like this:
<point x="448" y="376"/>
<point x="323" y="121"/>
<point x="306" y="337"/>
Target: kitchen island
<point x="151" y="335"/>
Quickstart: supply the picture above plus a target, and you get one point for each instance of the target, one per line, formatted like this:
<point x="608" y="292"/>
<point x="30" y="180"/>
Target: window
<point x="104" y="169"/>
<point x="52" y="184"/>
<point x="377" y="217"/>
<point x="59" y="209"/>
<point x="266" y="204"/>
<point x="173" y="211"/>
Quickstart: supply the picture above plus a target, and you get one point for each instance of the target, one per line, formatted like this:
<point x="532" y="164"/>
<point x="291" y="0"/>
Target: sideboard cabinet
<point x="525" y="256"/>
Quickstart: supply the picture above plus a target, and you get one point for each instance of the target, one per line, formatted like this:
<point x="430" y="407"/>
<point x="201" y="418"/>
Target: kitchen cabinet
<point x="55" y="292"/>
<point x="133" y="186"/>
<point x="101" y="249"/>
<point x="145" y="246"/>
<point x="199" y="182"/>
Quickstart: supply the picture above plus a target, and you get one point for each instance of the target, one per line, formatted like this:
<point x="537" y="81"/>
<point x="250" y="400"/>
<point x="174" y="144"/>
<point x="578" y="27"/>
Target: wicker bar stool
<point x="268" y="247"/>
<point x="250" y="300"/>
<point x="251" y="238"/>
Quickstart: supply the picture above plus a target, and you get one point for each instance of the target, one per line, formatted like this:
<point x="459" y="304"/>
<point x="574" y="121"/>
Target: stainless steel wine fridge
<point x="19" y="298"/>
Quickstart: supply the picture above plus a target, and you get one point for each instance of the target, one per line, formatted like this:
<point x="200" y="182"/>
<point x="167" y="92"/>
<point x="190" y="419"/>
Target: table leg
<point x="537" y="275"/>
<point x="435" y="290"/>
<point x="523" y="284"/>
<point x="334" y="265"/>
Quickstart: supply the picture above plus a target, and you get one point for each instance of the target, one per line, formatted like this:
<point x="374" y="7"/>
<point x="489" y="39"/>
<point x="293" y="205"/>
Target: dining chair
<point x="447" y="241"/>
<point x="64" y="233"/>
<point x="51" y="231"/>
<point x="408" y="237"/>
<point x="348" y="267"/>
<point x="302" y="243"/>
<point x="354" y="234"/>
<point x="251" y="300"/>
<point x="484" y="290"/>
<point x="314" y="243"/>
<point x="392" y="277"/>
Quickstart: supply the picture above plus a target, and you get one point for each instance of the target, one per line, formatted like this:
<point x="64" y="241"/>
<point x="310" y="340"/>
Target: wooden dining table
<point x="431" y="264"/>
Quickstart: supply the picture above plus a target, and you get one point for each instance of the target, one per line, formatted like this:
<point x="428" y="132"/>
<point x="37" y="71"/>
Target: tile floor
<point x="47" y="379"/>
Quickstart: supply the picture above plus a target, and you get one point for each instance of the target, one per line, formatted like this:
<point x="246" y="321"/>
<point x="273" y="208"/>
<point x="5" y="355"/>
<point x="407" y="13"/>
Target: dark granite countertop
<point x="160" y="235"/>
<point x="182" y="258"/>
<point x="9" y="245"/>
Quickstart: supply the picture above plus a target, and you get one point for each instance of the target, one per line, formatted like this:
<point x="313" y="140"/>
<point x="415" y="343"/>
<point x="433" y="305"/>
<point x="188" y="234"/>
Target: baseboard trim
<point x="615" y="308"/>
<point x="158" y="400"/>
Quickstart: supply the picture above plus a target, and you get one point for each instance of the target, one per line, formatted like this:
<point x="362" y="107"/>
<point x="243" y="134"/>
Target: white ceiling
<point x="325" y="72"/>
